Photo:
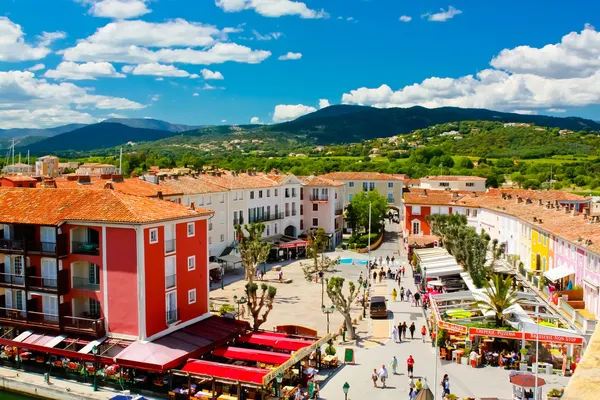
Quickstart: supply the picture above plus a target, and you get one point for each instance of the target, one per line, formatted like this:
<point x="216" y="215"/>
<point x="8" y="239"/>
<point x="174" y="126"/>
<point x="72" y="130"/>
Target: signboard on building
<point x="525" y="336"/>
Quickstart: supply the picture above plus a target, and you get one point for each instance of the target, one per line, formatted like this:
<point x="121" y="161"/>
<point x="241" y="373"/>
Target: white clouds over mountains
<point x="288" y="112"/>
<point x="272" y="8"/>
<point x="120" y="9"/>
<point x="555" y="76"/>
<point x="208" y="74"/>
<point x="14" y="48"/>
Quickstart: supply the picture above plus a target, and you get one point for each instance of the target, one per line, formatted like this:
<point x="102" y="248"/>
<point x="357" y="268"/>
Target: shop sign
<point x="525" y="336"/>
<point x="452" y="327"/>
<point x="291" y="245"/>
<point x="495" y="333"/>
<point x="554" y="338"/>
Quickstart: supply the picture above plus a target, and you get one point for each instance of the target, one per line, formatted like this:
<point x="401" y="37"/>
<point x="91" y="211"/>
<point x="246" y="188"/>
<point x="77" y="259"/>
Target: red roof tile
<point x="319" y="181"/>
<point x="191" y="185"/>
<point x="454" y="178"/>
<point x="133" y="186"/>
<point x="360" y="176"/>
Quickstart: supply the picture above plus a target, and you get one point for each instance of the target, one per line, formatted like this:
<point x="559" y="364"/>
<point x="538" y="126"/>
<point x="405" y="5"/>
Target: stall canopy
<point x="242" y="354"/>
<point x="558" y="273"/>
<point x="445" y="271"/>
<point x="189" y="342"/>
<point x="226" y="371"/>
<point x="278" y="342"/>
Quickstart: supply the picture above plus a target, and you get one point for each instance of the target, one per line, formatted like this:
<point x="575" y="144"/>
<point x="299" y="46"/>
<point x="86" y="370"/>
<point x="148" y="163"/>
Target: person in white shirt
<point x="383" y="375"/>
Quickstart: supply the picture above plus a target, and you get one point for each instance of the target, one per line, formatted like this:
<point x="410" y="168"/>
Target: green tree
<point x="447" y="161"/>
<point x="498" y="297"/>
<point x="518" y="178"/>
<point x="253" y="249"/>
<point x="257" y="302"/>
<point x="464" y="162"/>
<point x="320" y="265"/>
<point x="343" y="302"/>
<point x="358" y="210"/>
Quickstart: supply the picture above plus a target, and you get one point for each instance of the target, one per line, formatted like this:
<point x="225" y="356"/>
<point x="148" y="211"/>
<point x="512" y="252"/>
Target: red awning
<point x="279" y="342"/>
<point x="226" y="371"/>
<point x="54" y="351"/>
<point x="239" y="353"/>
<point x="175" y="348"/>
<point x="293" y="244"/>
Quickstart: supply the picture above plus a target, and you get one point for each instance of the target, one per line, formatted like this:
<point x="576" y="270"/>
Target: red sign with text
<point x="526" y="336"/>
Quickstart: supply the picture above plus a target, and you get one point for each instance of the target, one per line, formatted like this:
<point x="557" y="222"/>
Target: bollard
<point x="47" y="378"/>
<point x="344" y="335"/>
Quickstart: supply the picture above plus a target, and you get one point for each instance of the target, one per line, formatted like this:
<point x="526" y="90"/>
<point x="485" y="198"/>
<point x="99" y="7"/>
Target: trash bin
<point x="549" y="369"/>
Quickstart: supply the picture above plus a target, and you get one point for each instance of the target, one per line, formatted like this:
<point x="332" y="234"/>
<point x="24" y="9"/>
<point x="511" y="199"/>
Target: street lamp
<point x="345" y="388"/>
<point x="278" y="380"/>
<point x="424" y="283"/>
<point x="327" y="311"/>
<point x="239" y="302"/>
<point x="95" y="352"/>
<point x="364" y="299"/>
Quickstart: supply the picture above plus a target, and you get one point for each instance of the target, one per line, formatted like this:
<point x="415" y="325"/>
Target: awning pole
<point x="214" y="396"/>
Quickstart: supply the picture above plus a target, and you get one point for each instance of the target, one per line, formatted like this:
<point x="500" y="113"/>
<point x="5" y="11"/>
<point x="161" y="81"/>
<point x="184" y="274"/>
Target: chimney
<point x="535" y="219"/>
<point x="504" y="195"/>
<point x="192" y="206"/>
<point x="48" y="184"/>
<point x="574" y="212"/>
<point x="71" y="177"/>
<point x="519" y="199"/>
<point x="567" y="211"/>
<point x="109" y="186"/>
<point x="105" y="176"/>
<point x="83" y="179"/>
<point x="528" y="201"/>
<point x="116" y="178"/>
<point x="159" y="195"/>
<point x="540" y="202"/>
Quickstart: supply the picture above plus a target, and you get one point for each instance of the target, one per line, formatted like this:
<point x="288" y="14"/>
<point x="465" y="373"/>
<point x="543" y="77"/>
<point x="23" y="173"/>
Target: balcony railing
<point x="42" y="247"/>
<point x="11" y="245"/>
<point x="294" y="213"/>
<point x="94" y="326"/>
<point x="169" y="245"/>
<point x="85" y="284"/>
<point x="319" y="197"/>
<point x="267" y="217"/>
<point x="88" y="248"/>
<point x="12" y="314"/>
<point x="339" y="211"/>
<point x="42" y="282"/>
<point x="287" y="213"/>
<point x="390" y="200"/>
<point x="43" y="319"/>
<point x="11" y="279"/>
<point x="172" y="316"/>
<point x="171" y="281"/>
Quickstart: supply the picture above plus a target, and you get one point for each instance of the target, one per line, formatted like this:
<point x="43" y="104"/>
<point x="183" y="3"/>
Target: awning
<point x="293" y="244"/>
<point x="230" y="258"/>
<point x="189" y="342"/>
<point x="558" y="273"/>
<point x="279" y="342"/>
<point x="439" y="272"/>
<point x="226" y="371"/>
<point x="214" y="265"/>
<point x="239" y="353"/>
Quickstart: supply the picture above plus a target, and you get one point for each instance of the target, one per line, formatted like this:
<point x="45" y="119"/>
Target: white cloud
<point x="119" y="9"/>
<point x="556" y="110"/>
<point x="533" y="88"/>
<point x="72" y="71"/>
<point x="196" y="94"/>
<point x="525" y="112"/>
<point x="223" y="121"/>
<point x="323" y="103"/>
<point x="255" y="120"/>
<point x="209" y="87"/>
<point x="350" y="19"/>
<point x="14" y="48"/>
<point x="115" y="115"/>
<point x="155" y="69"/>
<point x="155" y="97"/>
<point x="443" y="15"/>
<point x="405" y="18"/>
<point x="208" y="74"/>
<point x="26" y="101"/>
<point x="288" y="112"/>
<point x="290" y="56"/>
<point x="36" y="67"/>
<point x="272" y="8"/>
<point x="160" y="79"/>
<point x="268" y="36"/>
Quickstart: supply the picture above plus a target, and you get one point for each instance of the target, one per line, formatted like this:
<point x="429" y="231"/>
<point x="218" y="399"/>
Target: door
<point x="48" y="239"/>
<point x="171" y="307"/>
<point x="170" y="272"/>
<point x="49" y="272"/>
<point x="18" y="267"/>
<point x="50" y="308"/>
<point x="94" y="275"/>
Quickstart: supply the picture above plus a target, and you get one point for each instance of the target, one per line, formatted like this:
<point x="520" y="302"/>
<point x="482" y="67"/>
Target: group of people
<point x="399" y="331"/>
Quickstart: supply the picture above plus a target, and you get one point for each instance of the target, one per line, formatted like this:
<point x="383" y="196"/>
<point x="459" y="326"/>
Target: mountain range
<point x="334" y="124"/>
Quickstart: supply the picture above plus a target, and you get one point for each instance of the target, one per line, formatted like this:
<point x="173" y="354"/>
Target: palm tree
<point x="499" y="296"/>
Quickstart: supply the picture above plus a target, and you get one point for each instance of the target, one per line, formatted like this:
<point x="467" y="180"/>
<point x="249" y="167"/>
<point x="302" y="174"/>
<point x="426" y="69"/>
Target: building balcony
<point x="267" y="217"/>
<point x="84" y="325"/>
<point x="339" y="211"/>
<point x="238" y="221"/>
<point x="171" y="281"/>
<point x="11" y="280"/>
<point x="12" y="246"/>
<point x="172" y="315"/>
<point x="54" y="285"/>
<point x="170" y="245"/>
<point x="294" y="213"/>
<point x="85" y="284"/>
<point x="87" y="248"/>
<point x="320" y="197"/>
<point x="390" y="200"/>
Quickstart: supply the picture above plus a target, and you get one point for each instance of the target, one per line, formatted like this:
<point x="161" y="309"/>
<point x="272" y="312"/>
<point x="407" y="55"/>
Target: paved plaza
<point x="299" y="303"/>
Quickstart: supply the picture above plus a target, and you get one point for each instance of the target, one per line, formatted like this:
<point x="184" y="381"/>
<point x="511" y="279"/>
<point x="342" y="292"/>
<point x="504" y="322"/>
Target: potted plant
<point x="330" y="350"/>
<point x="554" y="394"/>
<point x="524" y="358"/>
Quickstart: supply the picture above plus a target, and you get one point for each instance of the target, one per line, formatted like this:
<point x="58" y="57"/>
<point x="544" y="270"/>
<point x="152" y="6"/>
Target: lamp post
<point x="222" y="276"/>
<point x="537" y="345"/>
<point x="239" y="302"/>
<point x="278" y="380"/>
<point x="424" y="283"/>
<point x="345" y="388"/>
<point x="327" y="311"/>
<point x="95" y="352"/>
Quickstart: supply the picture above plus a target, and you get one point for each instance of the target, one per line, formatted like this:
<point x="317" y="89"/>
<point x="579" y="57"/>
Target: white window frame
<point x="222" y="237"/>
<point x="412" y="226"/>
<point x="191" y="293"/>
<point x="235" y="196"/>
<point x="222" y="198"/>
<point x="210" y="240"/>
<point x="193" y="226"/>
<point x="351" y="184"/>
<point x="470" y="184"/>
<point x="390" y="185"/>
<point x="313" y="222"/>
<point x="416" y="210"/>
<point x="167" y="259"/>
<point x="208" y="200"/>
<point x="191" y="263"/>
<point x="174" y="293"/>
<point x="153" y="231"/>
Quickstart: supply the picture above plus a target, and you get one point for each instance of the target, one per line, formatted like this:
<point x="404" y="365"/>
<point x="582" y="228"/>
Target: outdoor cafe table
<point x="227" y="397"/>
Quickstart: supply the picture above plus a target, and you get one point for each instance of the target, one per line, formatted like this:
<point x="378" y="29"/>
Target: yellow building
<point x="540" y="249"/>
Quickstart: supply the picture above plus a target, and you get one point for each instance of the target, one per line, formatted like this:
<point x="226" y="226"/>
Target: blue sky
<point x="94" y="59"/>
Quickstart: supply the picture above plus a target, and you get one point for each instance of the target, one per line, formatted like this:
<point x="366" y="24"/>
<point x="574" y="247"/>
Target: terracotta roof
<point x="53" y="206"/>
<point x="191" y="185"/>
<point x="420" y="196"/>
<point x="550" y="195"/>
<point x="133" y="186"/>
<point x="19" y="178"/>
<point x="558" y="223"/>
<point x="421" y="240"/>
<point x="278" y="178"/>
<point x="360" y="176"/>
<point x="239" y="181"/>
<point x="454" y="178"/>
<point x="319" y="181"/>
<point x="401" y="176"/>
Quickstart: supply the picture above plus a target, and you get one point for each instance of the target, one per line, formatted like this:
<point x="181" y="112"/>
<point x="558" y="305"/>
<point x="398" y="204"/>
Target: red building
<point x="18" y="181"/>
<point x="96" y="263"/>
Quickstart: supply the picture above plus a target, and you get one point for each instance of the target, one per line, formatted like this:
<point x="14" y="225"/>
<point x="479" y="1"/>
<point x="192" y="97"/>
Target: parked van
<point x="377" y="307"/>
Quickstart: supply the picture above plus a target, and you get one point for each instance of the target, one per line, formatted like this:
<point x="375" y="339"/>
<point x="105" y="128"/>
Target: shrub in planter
<point x="226" y="308"/>
<point x="554" y="394"/>
<point x="330" y="350"/>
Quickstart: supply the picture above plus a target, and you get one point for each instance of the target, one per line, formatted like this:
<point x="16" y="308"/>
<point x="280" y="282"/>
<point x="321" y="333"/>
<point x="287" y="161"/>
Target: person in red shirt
<point x="423" y="332"/>
<point x="410" y="363"/>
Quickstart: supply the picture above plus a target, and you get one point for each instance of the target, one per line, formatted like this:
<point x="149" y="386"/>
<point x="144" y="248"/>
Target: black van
<point x="377" y="307"/>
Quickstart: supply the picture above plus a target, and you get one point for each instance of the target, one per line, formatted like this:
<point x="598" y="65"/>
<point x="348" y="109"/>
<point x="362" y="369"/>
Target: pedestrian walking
<point x="402" y="293"/>
<point x="374" y="377"/>
<point x="412" y="394"/>
<point x="299" y="395"/>
<point x="280" y="276"/>
<point x="423" y="332"/>
<point x="387" y="259"/>
<point x="433" y="336"/>
<point x="394" y="294"/>
<point x="411" y="383"/>
<point x="412" y="329"/>
<point x="417" y="298"/>
<point x="419" y="385"/>
<point x="374" y="275"/>
<point x="403" y="271"/>
<point x="445" y="385"/>
<point x="394" y="365"/>
<point x="380" y="275"/>
<point x="410" y="365"/>
<point x="395" y="334"/>
<point x="393" y="258"/>
<point x="408" y="295"/>
<point x="400" y="332"/>
<point x="383" y="375"/>
<point x="380" y="260"/>
<point x="404" y="328"/>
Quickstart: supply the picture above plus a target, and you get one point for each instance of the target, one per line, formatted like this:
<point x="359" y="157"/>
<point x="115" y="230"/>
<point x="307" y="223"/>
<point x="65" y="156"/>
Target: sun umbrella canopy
<point x="458" y="313"/>
<point x="526" y="380"/>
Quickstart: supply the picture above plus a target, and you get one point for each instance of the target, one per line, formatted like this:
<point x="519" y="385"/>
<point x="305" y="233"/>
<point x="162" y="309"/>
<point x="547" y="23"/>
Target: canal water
<point x="14" y="396"/>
